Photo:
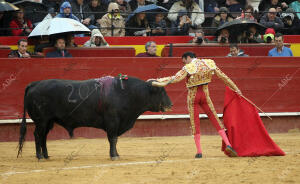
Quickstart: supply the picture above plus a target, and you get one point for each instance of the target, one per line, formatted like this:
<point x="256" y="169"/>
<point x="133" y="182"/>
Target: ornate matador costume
<point x="198" y="74"/>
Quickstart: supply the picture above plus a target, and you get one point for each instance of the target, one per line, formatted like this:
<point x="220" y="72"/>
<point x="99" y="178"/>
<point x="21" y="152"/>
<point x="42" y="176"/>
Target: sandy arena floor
<point x="147" y="160"/>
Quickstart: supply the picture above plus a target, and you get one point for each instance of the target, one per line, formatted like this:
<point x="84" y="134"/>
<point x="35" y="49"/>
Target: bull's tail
<point x="23" y="125"/>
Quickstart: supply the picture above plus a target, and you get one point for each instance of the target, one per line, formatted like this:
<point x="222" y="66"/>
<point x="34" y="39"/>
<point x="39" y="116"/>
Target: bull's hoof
<point x="115" y="158"/>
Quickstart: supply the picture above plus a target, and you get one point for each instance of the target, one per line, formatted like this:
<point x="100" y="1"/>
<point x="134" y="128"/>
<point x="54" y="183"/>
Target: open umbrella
<point x="152" y="10"/>
<point x="5" y="6"/>
<point x="58" y="25"/>
<point x="240" y="25"/>
<point x="34" y="11"/>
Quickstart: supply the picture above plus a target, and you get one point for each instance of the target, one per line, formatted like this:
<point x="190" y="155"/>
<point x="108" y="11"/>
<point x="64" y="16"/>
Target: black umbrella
<point x="240" y="25"/>
<point x="5" y="6"/>
<point x="34" y="11"/>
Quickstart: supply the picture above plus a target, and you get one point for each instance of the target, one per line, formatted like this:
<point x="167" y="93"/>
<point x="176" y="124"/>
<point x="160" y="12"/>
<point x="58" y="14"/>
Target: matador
<point x="198" y="73"/>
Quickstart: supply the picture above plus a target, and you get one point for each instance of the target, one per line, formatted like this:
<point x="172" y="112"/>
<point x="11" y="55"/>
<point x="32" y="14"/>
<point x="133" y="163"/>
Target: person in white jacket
<point x="189" y="6"/>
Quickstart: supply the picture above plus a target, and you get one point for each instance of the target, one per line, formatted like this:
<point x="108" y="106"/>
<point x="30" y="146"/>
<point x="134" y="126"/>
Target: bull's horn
<point x="158" y="84"/>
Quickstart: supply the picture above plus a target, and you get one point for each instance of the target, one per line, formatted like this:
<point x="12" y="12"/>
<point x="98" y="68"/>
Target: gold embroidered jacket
<point x="198" y="72"/>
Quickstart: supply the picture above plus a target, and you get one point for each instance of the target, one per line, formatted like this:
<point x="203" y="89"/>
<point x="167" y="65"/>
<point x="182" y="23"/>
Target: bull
<point x="109" y="103"/>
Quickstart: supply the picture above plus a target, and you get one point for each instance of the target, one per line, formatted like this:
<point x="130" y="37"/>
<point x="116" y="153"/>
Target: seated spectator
<point x="196" y="19"/>
<point x="82" y="11"/>
<point x="166" y="3"/>
<point x="235" y="51"/>
<point x="112" y="23"/>
<point x="22" y="50"/>
<point x="222" y="17"/>
<point x="182" y="25"/>
<point x="70" y="40"/>
<point x="124" y="7"/>
<point x="247" y="13"/>
<point x="60" y="51"/>
<point x="269" y="35"/>
<point x="158" y="26"/>
<point x="296" y="7"/>
<point x="199" y="38"/>
<point x="52" y="4"/>
<point x="234" y="6"/>
<point x="51" y="14"/>
<point x="134" y="4"/>
<point x="211" y="6"/>
<point x="43" y="42"/>
<point x="265" y="5"/>
<point x="138" y="25"/>
<point x="19" y="25"/>
<point x="250" y="36"/>
<point x="270" y="20"/>
<point x="223" y="37"/>
<point x="280" y="50"/>
<point x="96" y="40"/>
<point x="291" y="22"/>
<point x="66" y="11"/>
<point x="99" y="9"/>
<point x="150" y="48"/>
<point x="3" y="24"/>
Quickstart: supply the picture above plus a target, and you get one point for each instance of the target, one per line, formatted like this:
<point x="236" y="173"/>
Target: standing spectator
<point x="138" y="25"/>
<point x="22" y="50"/>
<point x="291" y="22"/>
<point x="270" y="20"/>
<point x="96" y="40"/>
<point x="112" y="23"/>
<point x="280" y="50"/>
<point x="66" y="11"/>
<point x="222" y="17"/>
<point x="159" y="25"/>
<point x="99" y="9"/>
<point x="234" y="6"/>
<point x="60" y="51"/>
<point x="247" y="13"/>
<point x="235" y="51"/>
<point x="182" y="25"/>
<point x="19" y="25"/>
<point x="189" y="6"/>
<point x="134" y="4"/>
<point x="150" y="48"/>
<point x="82" y="11"/>
<point x="124" y="7"/>
<point x="296" y="7"/>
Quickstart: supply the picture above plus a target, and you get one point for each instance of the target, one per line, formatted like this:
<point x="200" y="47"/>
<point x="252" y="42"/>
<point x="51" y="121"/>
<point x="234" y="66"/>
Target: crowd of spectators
<point x="113" y="17"/>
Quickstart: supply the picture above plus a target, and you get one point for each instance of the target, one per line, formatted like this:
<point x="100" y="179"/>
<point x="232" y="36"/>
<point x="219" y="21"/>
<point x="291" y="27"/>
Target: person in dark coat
<point x="22" y="50"/>
<point x="182" y="25"/>
<point x="60" y="51"/>
<point x="158" y="26"/>
<point x="99" y="9"/>
<point x="291" y="22"/>
<point x="270" y="20"/>
<point x="138" y="25"/>
<point x="82" y="11"/>
<point x="150" y="48"/>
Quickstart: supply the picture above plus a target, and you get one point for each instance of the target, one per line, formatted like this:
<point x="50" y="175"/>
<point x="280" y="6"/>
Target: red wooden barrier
<point x="98" y="52"/>
<point x="271" y="83"/>
<point x="136" y="40"/>
<point x="214" y="50"/>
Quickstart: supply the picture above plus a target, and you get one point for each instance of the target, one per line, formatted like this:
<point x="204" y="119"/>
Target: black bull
<point x="108" y="103"/>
